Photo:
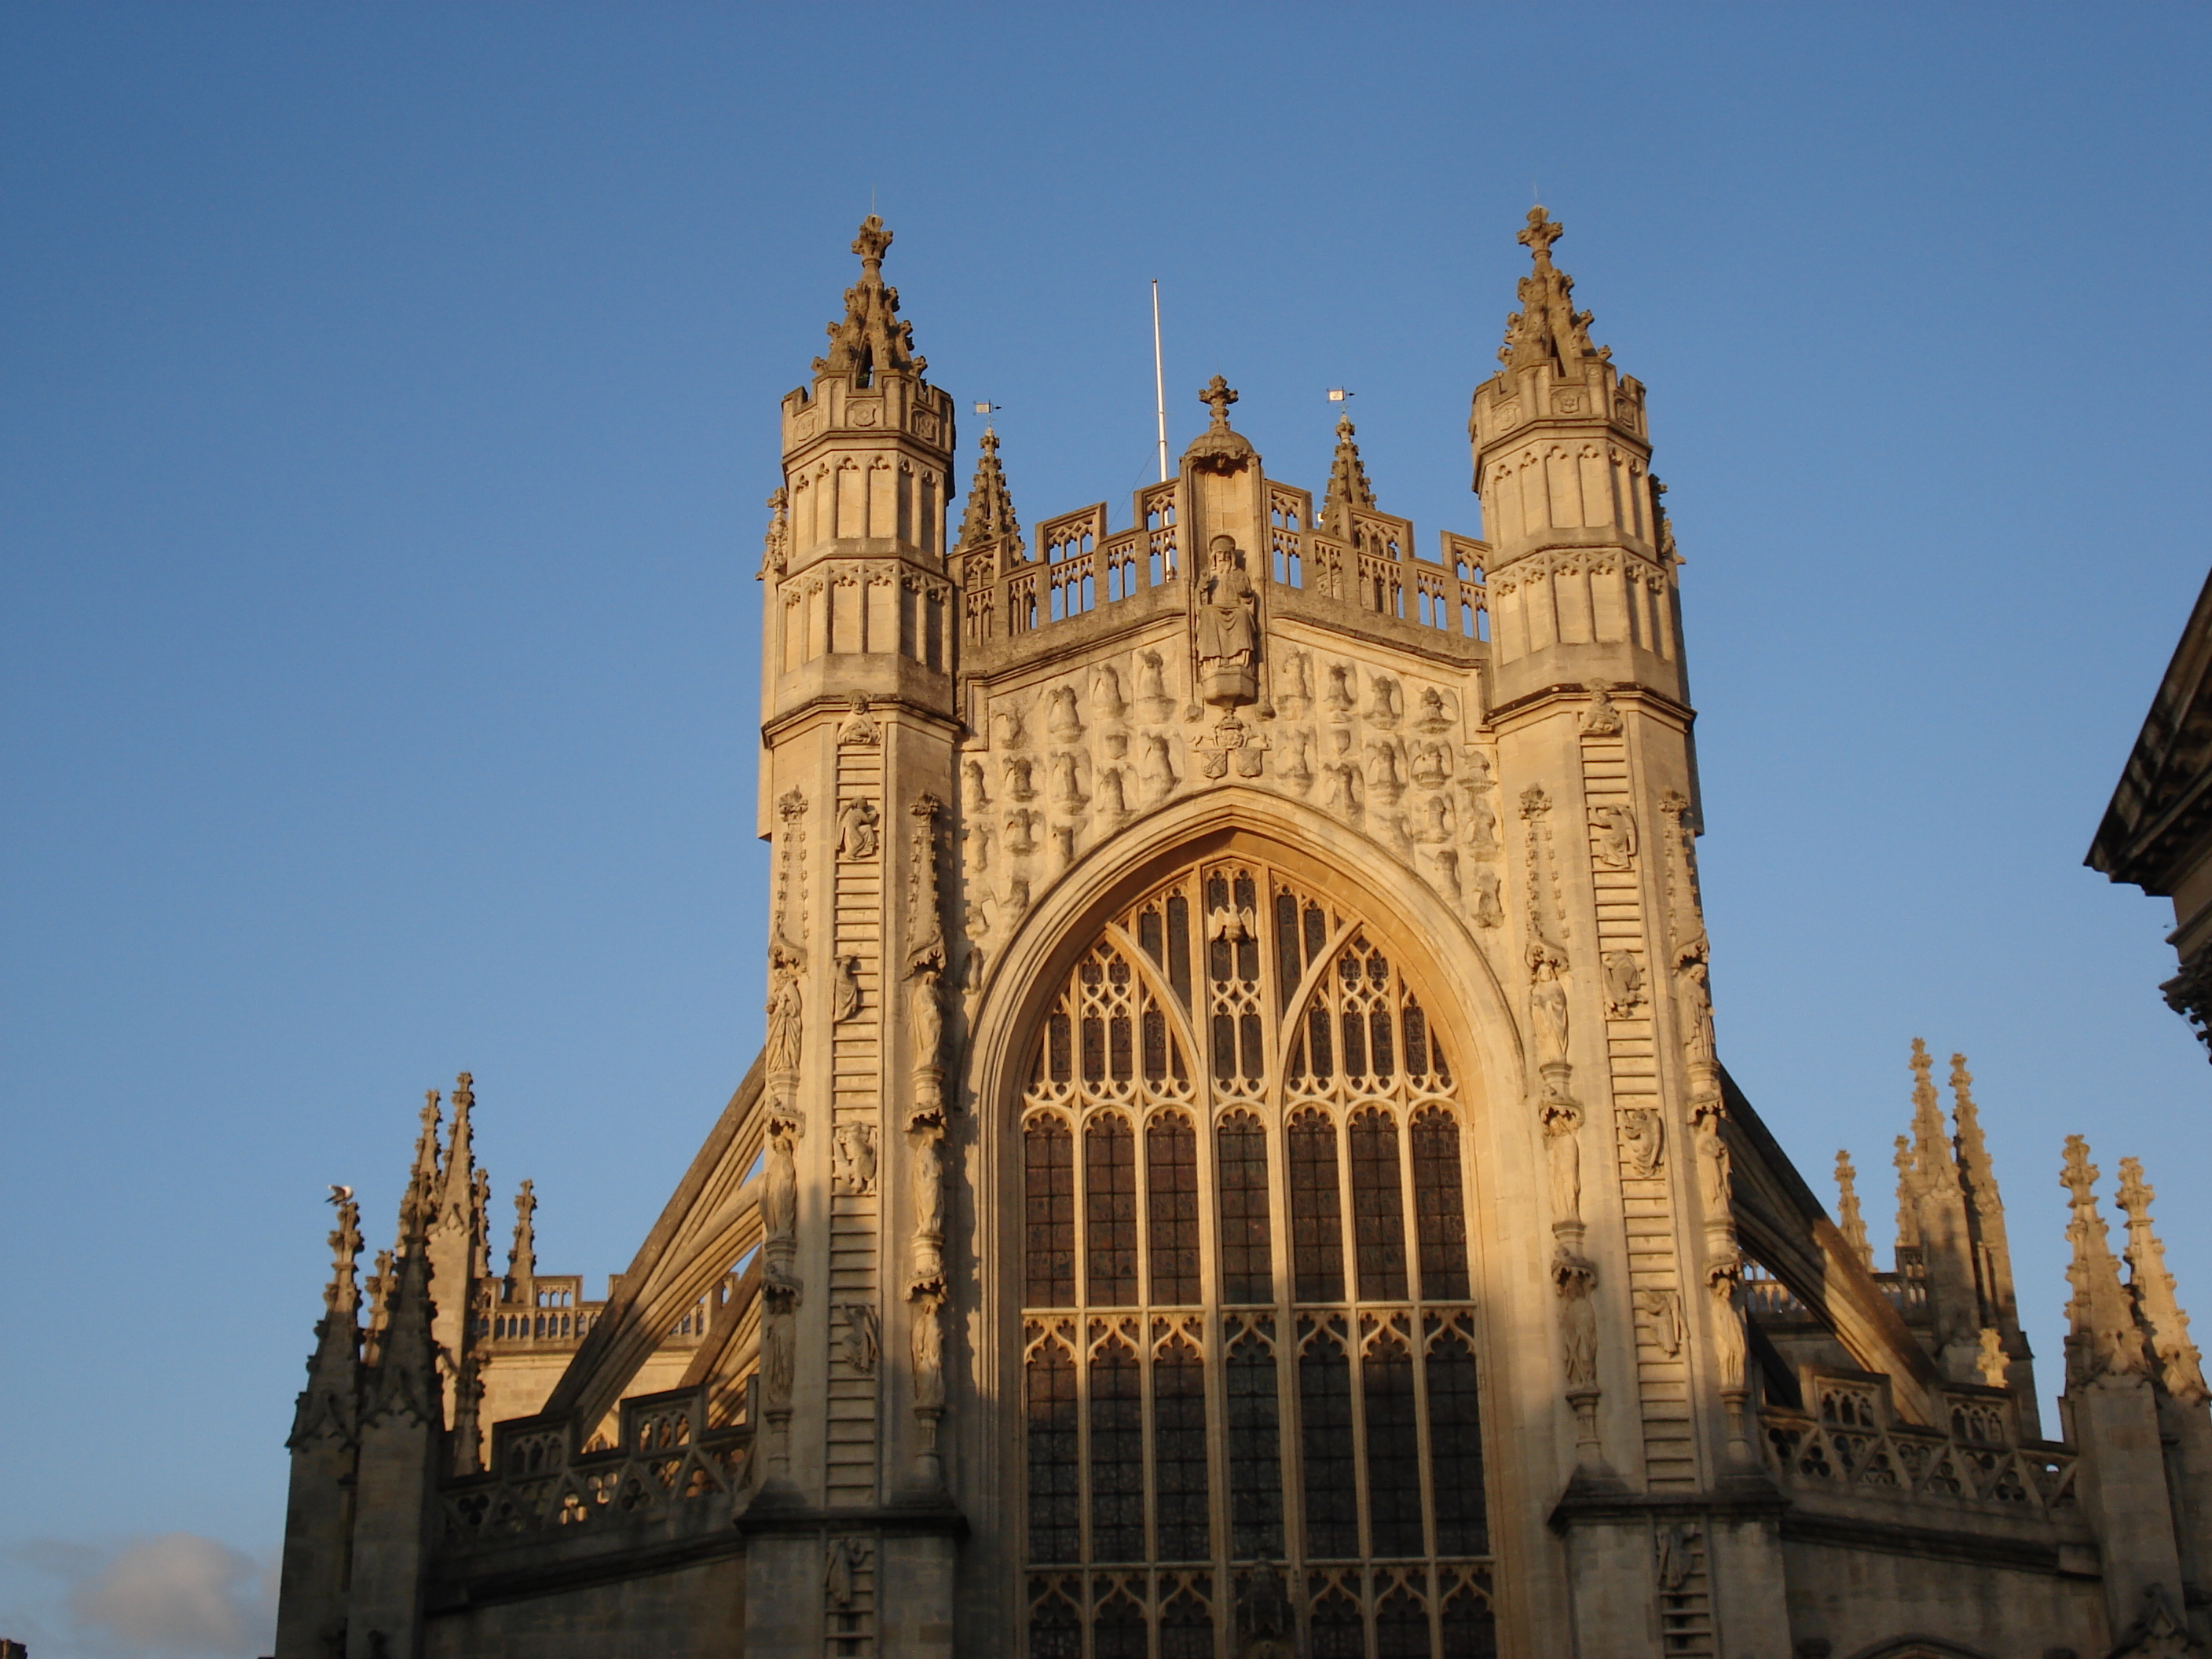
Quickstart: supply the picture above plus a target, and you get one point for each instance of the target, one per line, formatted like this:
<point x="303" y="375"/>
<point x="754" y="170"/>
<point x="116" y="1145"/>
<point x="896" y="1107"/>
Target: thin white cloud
<point x="177" y="1595"/>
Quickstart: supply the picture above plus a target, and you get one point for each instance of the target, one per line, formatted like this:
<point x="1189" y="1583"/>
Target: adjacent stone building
<point x="1240" y="1163"/>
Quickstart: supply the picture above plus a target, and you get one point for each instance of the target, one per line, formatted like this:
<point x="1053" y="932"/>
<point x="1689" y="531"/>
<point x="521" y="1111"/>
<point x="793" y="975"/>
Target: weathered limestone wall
<point x="690" y="1612"/>
<point x="1875" y="1590"/>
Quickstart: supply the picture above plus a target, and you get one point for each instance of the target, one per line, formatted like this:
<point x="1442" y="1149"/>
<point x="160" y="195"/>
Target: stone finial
<point x="418" y="1204"/>
<point x="1908" y="1212"/>
<point x="342" y="1297"/>
<point x="2102" y="1339"/>
<point x="457" y="1179"/>
<point x="1847" y="1210"/>
<point x="1931" y="1145"/>
<point x="522" y="1256"/>
<point x="870" y="338"/>
<point x="2180" y="1367"/>
<point x="990" y="515"/>
<point x="1347" y="483"/>
<point x="775" y="544"/>
<point x="1975" y="1169"/>
<point x="1547" y="329"/>
<point x="1219" y="448"/>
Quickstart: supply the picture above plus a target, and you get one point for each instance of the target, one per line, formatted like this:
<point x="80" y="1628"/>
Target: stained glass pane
<point x="1456" y="1449"/>
<point x="1325" y="1438"/>
<point x="1179" y="1459"/>
<point x="1055" y="1508"/>
<point x="1377" y="1207"/>
<point x="1117" y="1456"/>
<point x="1440" y="1215"/>
<point x="1172" y="1195"/>
<point x="1255" y="1464"/>
<point x="1338" y="1632"/>
<point x="1394" y="1448"/>
<point x="1316" y="1210"/>
<point x="1402" y="1627"/>
<point x="1248" y="1263"/>
<point x="1470" y="1630"/>
<point x="1048" y="1151"/>
<point x="1110" y="1180"/>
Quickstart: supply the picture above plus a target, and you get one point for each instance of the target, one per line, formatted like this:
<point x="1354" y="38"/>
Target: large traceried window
<point x="1249" y="1364"/>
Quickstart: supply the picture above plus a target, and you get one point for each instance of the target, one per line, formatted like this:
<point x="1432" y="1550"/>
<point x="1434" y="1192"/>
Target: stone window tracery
<point x="1235" y="1058"/>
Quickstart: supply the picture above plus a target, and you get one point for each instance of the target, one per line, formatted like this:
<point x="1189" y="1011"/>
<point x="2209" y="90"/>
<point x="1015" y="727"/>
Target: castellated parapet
<point x="1240" y="1162"/>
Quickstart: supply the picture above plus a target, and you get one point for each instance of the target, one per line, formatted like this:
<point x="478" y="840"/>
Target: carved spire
<point x="327" y="1404"/>
<point x="990" y="515"/>
<point x="1947" y="1245"/>
<point x="1931" y="1144"/>
<point x="870" y="338"/>
<point x="1348" y="483"/>
<point x="2180" y="1367"/>
<point x="1986" y="1212"/>
<point x="1847" y="1210"/>
<point x="407" y="1379"/>
<point x="2102" y="1339"/>
<point x="1908" y="1212"/>
<point x="1547" y="329"/>
<point x="457" y="1180"/>
<point x="418" y="1204"/>
<point x="522" y="1258"/>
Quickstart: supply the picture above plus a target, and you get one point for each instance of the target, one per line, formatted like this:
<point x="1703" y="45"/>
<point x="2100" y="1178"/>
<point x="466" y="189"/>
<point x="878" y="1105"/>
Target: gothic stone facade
<point x="1239" y="1164"/>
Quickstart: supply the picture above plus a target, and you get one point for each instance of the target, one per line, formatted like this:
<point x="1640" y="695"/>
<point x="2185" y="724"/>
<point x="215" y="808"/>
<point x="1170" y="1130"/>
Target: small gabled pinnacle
<point x="2180" y="1367"/>
<point x="1848" y="1219"/>
<point x="1347" y="483"/>
<point x="870" y="338"/>
<point x="990" y="515"/>
<point x="480" y="1221"/>
<point x="1547" y="329"/>
<point x="2102" y="1339"/>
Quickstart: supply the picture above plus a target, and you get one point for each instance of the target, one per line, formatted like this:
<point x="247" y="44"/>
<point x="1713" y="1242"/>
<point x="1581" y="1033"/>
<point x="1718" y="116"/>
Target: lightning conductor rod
<point x="1159" y="382"/>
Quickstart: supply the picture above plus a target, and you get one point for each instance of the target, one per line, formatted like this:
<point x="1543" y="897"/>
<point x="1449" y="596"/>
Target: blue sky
<point x="389" y="397"/>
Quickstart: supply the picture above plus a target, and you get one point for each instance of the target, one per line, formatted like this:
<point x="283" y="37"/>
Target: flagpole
<point x="1159" y="381"/>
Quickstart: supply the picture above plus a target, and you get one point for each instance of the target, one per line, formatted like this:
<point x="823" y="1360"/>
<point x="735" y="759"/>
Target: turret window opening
<point x="1235" y="1041"/>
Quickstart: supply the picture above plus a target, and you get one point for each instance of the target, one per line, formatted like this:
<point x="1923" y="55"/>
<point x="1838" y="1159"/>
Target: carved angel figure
<point x="1066" y="787"/>
<point x="1106" y="692"/>
<point x="928" y="1347"/>
<point x="1563" y="1121"/>
<point x="848" y="990"/>
<point x="1109" y="799"/>
<point x="1383" y="773"/>
<point x="1489" y="909"/>
<point x="1339" y="695"/>
<point x="1150" y="690"/>
<point x="1613" y="844"/>
<point x="785" y="1010"/>
<point x="779" y="1201"/>
<point x="1548" y="998"/>
<point x="1724" y="1282"/>
<point x="1154" y="771"/>
<point x="1643" y="1137"/>
<point x="857" y="832"/>
<point x="1623" y="985"/>
<point x="1662" y="1313"/>
<point x="853" y="1147"/>
<point x="972" y="796"/>
<point x="1577" y="1320"/>
<point x="1430" y="765"/>
<point x="1060" y="720"/>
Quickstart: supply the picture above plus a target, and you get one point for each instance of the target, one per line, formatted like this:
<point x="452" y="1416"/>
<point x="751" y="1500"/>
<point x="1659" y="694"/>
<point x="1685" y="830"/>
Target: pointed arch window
<point x="1246" y="1278"/>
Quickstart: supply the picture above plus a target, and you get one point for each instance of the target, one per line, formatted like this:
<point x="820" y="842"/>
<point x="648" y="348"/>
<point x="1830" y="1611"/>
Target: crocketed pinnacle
<point x="2180" y="1367"/>
<point x="1848" y="1219"/>
<point x="990" y="515"/>
<point x="870" y="338"/>
<point x="522" y="1259"/>
<point x="342" y="1295"/>
<point x="1908" y="1207"/>
<point x="1979" y="1175"/>
<point x="328" y="1404"/>
<point x="1348" y="483"/>
<point x="2102" y="1339"/>
<point x="1931" y="1145"/>
<point x="418" y="1204"/>
<point x="1547" y="329"/>
<point x="456" y="1180"/>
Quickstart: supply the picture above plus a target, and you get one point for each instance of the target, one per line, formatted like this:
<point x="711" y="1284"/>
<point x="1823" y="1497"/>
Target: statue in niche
<point x="779" y="1201"/>
<point x="1573" y="1278"/>
<point x="1691" y="971"/>
<point x="1338" y="697"/>
<point x="1548" y="998"/>
<point x="928" y="1350"/>
<point x="1643" y="1136"/>
<point x="1432" y="767"/>
<point x="1563" y="1121"/>
<point x="972" y="796"/>
<point x="1662" y="1313"/>
<point x="858" y="834"/>
<point x="1019" y="783"/>
<point x="1489" y="909"/>
<point x="779" y="1343"/>
<point x="848" y="990"/>
<point x="926" y="1011"/>
<point x="846" y="1557"/>
<point x="1226" y="627"/>
<point x="1724" y="1283"/>
<point x="1060" y="720"/>
<point x="1614" y="845"/>
<point x="1713" y="1163"/>
<point x="1151" y="694"/>
<point x="854" y="1148"/>
<point x="785" y="1010"/>
<point x="1623" y="985"/>
<point x="1154" y="771"/>
<point x="1678" y="1556"/>
<point x="928" y="1205"/>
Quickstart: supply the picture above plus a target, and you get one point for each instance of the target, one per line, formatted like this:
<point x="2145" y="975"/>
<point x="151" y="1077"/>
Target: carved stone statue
<point x="1573" y="1278"/>
<point x="1563" y="1121"/>
<point x="1019" y="783"/>
<point x="1724" y="1282"/>
<point x="779" y="1201"/>
<point x="1430" y="766"/>
<point x="1690" y="973"/>
<point x="861" y="1339"/>
<point x="1225" y="627"/>
<point x="1481" y="821"/>
<point x="972" y="796"/>
<point x="848" y="990"/>
<point x="928" y="1350"/>
<point x="1623" y="985"/>
<point x="779" y="1347"/>
<point x="1297" y="682"/>
<point x="1662" y="1313"/>
<point x="926" y="1014"/>
<point x="1712" y="1163"/>
<point x="1108" y="796"/>
<point x="1489" y="909"/>
<point x="1382" y="775"/>
<point x="1385" y="702"/>
<point x="1601" y="718"/>
<point x="785" y="1018"/>
<point x="1643" y="1139"/>
<point x="1613" y="846"/>
<point x="854" y="1148"/>
<point x="1106" y="702"/>
<point x="1152" y="693"/>
<point x="1338" y="697"/>
<point x="1154" y="769"/>
<point x="1066" y="786"/>
<point x="1431" y="716"/>
<point x="1547" y="999"/>
<point x="857" y="834"/>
